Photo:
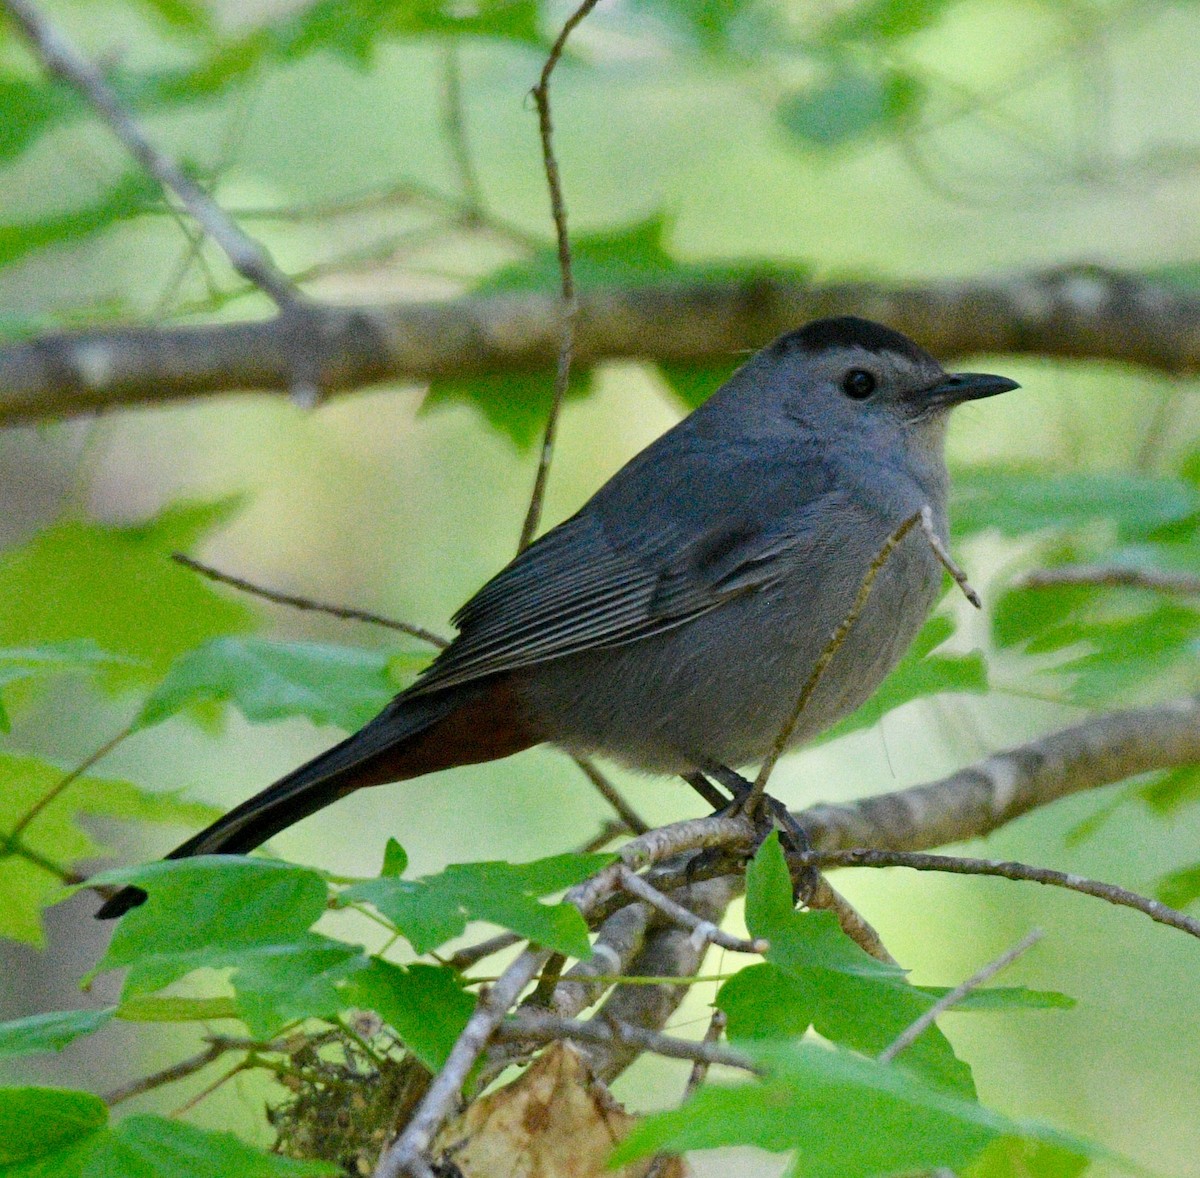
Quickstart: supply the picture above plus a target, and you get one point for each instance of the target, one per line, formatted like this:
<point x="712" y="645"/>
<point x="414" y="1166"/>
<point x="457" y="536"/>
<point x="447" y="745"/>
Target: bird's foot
<point x="770" y="814"/>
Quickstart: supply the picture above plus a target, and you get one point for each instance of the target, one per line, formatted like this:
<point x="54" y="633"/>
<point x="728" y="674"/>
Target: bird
<point x="670" y="624"/>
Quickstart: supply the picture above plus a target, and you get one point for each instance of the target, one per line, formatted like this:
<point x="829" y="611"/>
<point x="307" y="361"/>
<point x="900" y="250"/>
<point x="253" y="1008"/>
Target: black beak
<point x="969" y="386"/>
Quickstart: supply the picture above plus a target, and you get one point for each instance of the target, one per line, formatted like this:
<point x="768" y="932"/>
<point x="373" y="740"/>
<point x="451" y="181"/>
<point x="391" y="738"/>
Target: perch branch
<point x="65" y="62"/>
<point x="1084" y="313"/>
<point x="1114" y="576"/>
<point x="1004" y="869"/>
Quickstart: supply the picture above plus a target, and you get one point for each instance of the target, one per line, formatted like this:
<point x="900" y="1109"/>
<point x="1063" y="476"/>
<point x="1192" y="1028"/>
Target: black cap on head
<point x="848" y="331"/>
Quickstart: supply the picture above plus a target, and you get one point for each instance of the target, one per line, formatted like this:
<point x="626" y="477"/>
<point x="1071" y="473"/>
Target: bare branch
<point x="923" y="1022"/>
<point x="1085" y="314"/>
<point x="63" y="60"/>
<point x="408" y="1154"/>
<point x="345" y="612"/>
<point x="716" y="1026"/>
<point x="948" y="562"/>
<point x="1116" y="576"/>
<point x="539" y="1026"/>
<point x="218" y="1046"/>
<point x="703" y="931"/>
<point x="1004" y="869"/>
<point x="67" y="780"/>
<point x="570" y="305"/>
<point x="980" y="798"/>
<point x="853" y="923"/>
<point x="613" y="796"/>
<point x="668" y="952"/>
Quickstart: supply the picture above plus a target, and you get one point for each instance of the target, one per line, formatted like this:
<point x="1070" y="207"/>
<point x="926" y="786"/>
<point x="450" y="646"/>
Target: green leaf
<point x="919" y="674"/>
<point x="50" y="1032"/>
<point x="693" y="384"/>
<point x="849" y="103"/>
<point x="1016" y="503"/>
<point x="1179" y="888"/>
<point x="352" y="28"/>
<point x="209" y="905"/>
<point x="148" y="1008"/>
<point x="147" y="1147"/>
<point x="431" y="910"/>
<point x="21" y="663"/>
<point x="267" y="680"/>
<point x="426" y="1005"/>
<point x="816" y="976"/>
<point x="1169" y="792"/>
<point x="634" y="254"/>
<point x="185" y="16"/>
<point x="55" y="835"/>
<point x="278" y="983"/>
<point x="36" y="1121"/>
<point x="845" y="1116"/>
<point x="29" y="108"/>
<point x="127" y="198"/>
<point x="515" y="405"/>
<point x="722" y="28"/>
<point x="62" y="586"/>
<point x="1014" y="1157"/>
<point x="996" y="998"/>
<point x="395" y="859"/>
<point x="885" y="20"/>
<point x="1127" y="652"/>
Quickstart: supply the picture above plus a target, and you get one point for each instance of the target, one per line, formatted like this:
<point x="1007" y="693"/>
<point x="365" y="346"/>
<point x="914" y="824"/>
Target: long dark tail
<point x="409" y="738"/>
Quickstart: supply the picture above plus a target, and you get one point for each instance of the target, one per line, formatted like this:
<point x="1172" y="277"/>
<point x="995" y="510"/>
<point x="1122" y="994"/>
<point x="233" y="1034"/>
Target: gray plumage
<point x="672" y="622"/>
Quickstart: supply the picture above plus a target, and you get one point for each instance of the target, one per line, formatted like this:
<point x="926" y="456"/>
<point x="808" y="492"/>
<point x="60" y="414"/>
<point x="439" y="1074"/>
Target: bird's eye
<point x="858" y="383"/>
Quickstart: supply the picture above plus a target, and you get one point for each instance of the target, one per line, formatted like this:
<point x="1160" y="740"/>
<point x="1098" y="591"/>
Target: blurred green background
<point x="880" y="139"/>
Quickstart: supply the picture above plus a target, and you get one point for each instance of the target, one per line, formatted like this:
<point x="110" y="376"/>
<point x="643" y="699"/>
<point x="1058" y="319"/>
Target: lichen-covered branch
<point x="1081" y="313"/>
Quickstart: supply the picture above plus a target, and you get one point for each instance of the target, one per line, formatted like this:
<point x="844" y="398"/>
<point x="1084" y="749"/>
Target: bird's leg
<point x="793" y="833"/>
<point x="709" y="792"/>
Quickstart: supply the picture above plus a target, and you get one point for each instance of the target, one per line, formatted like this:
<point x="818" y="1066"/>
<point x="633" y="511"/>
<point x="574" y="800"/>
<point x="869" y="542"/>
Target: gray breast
<point x="720" y="686"/>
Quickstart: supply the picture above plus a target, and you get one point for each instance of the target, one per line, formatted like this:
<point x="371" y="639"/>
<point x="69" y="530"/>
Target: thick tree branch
<point x="975" y="801"/>
<point x="1083" y="313"/>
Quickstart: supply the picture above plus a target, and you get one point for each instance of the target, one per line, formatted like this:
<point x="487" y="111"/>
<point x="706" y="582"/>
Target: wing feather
<point x="653" y="548"/>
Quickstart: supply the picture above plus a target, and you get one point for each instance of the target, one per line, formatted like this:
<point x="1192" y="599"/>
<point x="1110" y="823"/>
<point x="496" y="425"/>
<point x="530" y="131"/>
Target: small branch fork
<point x="247" y="256"/>
<point x="63" y="60"/>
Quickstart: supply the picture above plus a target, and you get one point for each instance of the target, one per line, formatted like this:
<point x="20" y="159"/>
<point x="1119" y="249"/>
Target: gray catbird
<point x="671" y="622"/>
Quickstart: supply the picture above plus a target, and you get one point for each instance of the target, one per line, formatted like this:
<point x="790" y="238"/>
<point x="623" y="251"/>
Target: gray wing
<point x="663" y="541"/>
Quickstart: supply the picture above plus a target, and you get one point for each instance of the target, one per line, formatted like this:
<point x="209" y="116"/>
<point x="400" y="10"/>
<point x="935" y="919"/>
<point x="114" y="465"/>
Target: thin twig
<point x="948" y="562"/>
<point x="347" y="613"/>
<point x="1111" y="576"/>
<point x="408" y="1153"/>
<point x="958" y="865"/>
<point x="473" y="954"/>
<point x="712" y="1033"/>
<point x="924" y="1021"/>
<point x="217" y="1046"/>
<point x="63" y="60"/>
<point x="570" y="305"/>
<point x="67" y="780"/>
<point x="702" y="930"/>
<point x="613" y="796"/>
<point x="826" y="657"/>
<point x="853" y="923"/>
<point x="454" y="124"/>
<point x="537" y="1025"/>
